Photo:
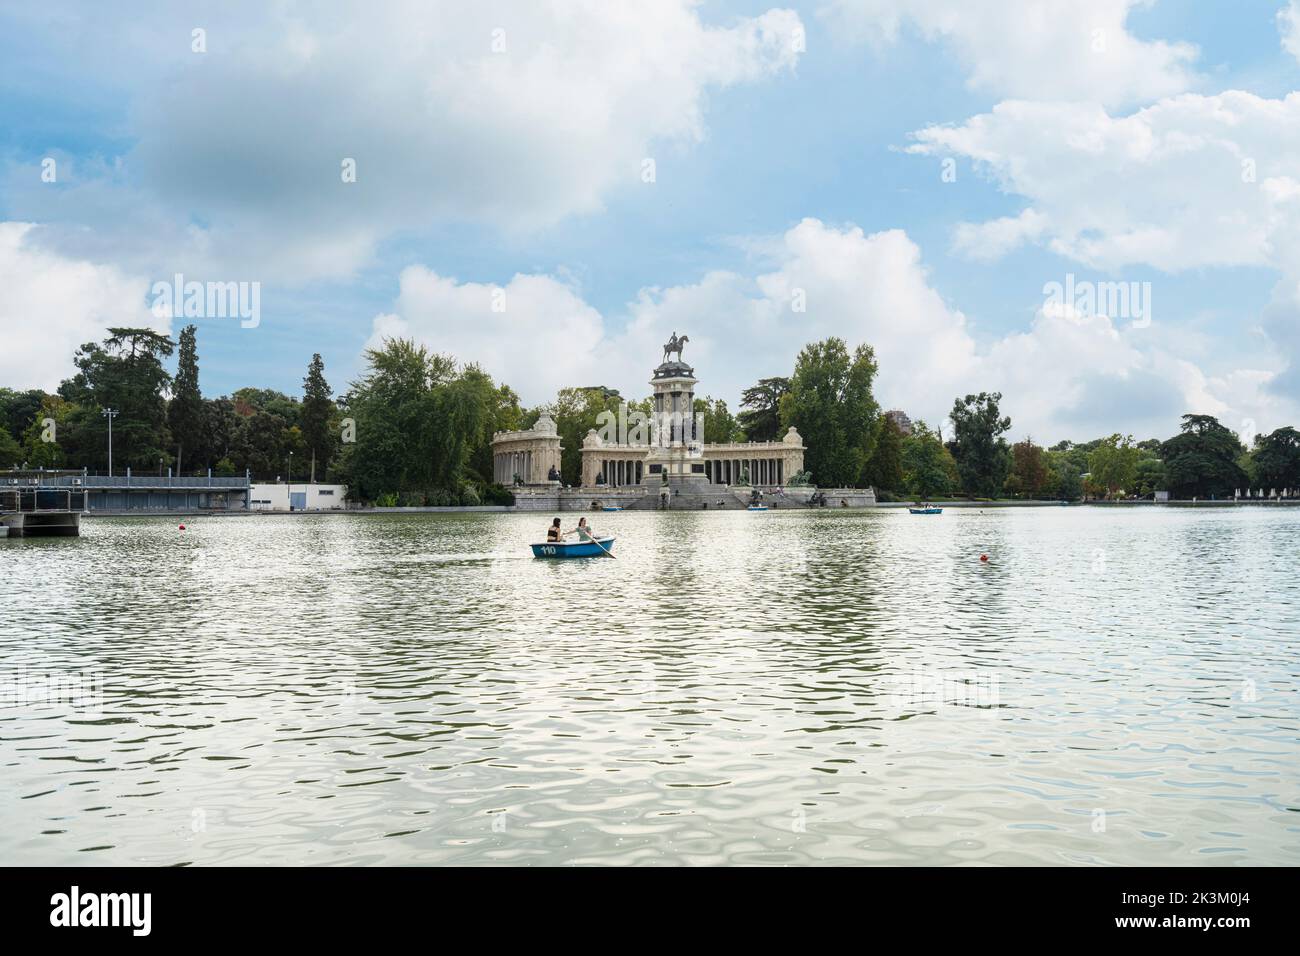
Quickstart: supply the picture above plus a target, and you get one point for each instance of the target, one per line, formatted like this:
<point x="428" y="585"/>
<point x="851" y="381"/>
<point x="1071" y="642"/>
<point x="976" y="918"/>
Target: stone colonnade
<point x="530" y="454"/>
<point x="768" y="463"/>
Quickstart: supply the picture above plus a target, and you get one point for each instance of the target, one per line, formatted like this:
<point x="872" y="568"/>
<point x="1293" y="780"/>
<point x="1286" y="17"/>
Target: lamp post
<point x="110" y="414"/>
<point x="288" y="480"/>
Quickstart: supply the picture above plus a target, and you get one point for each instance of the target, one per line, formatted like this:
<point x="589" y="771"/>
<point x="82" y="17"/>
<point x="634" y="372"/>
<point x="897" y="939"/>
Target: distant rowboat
<point x="611" y="508"/>
<point x="758" y="508"/>
<point x="574" y="549"/>
<point x="926" y="511"/>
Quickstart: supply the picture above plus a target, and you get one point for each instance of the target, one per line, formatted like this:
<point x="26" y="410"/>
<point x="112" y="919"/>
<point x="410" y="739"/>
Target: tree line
<point x="416" y="428"/>
<point x="851" y="443"/>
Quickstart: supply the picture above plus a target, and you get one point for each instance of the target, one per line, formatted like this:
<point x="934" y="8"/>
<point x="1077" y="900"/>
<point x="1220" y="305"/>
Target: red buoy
<point x="984" y="557"/>
<point x="182" y="527"/>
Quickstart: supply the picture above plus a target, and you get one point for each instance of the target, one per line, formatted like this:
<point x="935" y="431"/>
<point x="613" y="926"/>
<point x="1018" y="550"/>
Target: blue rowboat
<point x="758" y="507"/>
<point x="926" y="511"/>
<point x="573" y="549"/>
<point x="611" y="508"/>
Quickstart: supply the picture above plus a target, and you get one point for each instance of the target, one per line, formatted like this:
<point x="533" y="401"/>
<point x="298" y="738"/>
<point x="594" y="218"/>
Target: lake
<point x="1113" y="686"/>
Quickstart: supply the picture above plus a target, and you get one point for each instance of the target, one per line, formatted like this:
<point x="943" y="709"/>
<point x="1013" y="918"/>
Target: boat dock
<point x="28" y="509"/>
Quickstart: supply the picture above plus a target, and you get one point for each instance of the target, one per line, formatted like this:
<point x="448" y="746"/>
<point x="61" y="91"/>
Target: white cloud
<point x="513" y="115"/>
<point x="51" y="305"/>
<point x="1189" y="182"/>
<point x="862" y="288"/>
<point x="534" y="329"/>
<point x="1042" y="49"/>
<point x="1288" y="27"/>
<point x="988" y="241"/>
<point x="1066" y="376"/>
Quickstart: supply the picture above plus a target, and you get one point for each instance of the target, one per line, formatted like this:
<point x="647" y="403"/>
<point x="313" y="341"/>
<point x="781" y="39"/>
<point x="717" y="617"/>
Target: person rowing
<point x="583" y="530"/>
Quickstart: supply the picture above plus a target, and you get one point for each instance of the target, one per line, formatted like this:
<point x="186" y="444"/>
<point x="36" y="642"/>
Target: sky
<point x="551" y="189"/>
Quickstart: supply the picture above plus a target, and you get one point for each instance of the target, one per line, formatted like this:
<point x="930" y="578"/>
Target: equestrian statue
<point x="675" y="344"/>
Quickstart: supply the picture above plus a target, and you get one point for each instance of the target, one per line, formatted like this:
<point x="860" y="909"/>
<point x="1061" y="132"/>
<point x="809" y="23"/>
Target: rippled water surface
<point x="1111" y="687"/>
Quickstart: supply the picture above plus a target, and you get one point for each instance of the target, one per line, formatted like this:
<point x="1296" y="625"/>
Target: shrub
<point x="498" y="495"/>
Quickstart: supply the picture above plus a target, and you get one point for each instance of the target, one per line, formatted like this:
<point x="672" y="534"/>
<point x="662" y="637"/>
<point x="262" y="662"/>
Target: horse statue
<point x="675" y="344"/>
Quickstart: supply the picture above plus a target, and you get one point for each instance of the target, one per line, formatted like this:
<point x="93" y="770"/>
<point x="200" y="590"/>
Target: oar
<point x="598" y="544"/>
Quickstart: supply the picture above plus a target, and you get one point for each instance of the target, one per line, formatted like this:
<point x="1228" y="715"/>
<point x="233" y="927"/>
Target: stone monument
<point x="676" y="456"/>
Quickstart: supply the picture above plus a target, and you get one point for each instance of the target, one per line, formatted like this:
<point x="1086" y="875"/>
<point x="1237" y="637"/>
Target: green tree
<point x="760" y="418"/>
<point x="125" y="373"/>
<point x="221" y="427"/>
<point x="1149" y="476"/>
<point x="928" y="467"/>
<point x="1112" y="465"/>
<point x="575" y="412"/>
<point x="285" y="407"/>
<point x="505" y="415"/>
<point x="11" y="453"/>
<point x="983" y="456"/>
<point x="262" y="444"/>
<point x="420" y="419"/>
<point x="19" y="408"/>
<point x="1277" y="459"/>
<point x="884" y="470"/>
<point x="185" y="412"/>
<point x="317" y="418"/>
<point x="831" y="404"/>
<point x="1201" y="461"/>
<point x="1068" y="479"/>
<point x="391" y="406"/>
<point x="41" y="443"/>
<point x="720" y="426"/>
<point x="1029" y="472"/>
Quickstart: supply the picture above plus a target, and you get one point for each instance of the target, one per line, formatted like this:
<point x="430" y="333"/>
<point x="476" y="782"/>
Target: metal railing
<point x="141" y="481"/>
<point x="30" y="500"/>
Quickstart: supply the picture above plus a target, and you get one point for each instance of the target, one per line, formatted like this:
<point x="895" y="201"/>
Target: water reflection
<point x="1110" y="687"/>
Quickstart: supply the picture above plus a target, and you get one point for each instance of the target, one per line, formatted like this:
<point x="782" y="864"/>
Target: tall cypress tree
<point x="185" y="413"/>
<point x="317" y="415"/>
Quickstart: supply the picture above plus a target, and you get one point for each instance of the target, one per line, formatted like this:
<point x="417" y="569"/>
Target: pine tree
<point x="185" y="413"/>
<point x="317" y="415"/>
